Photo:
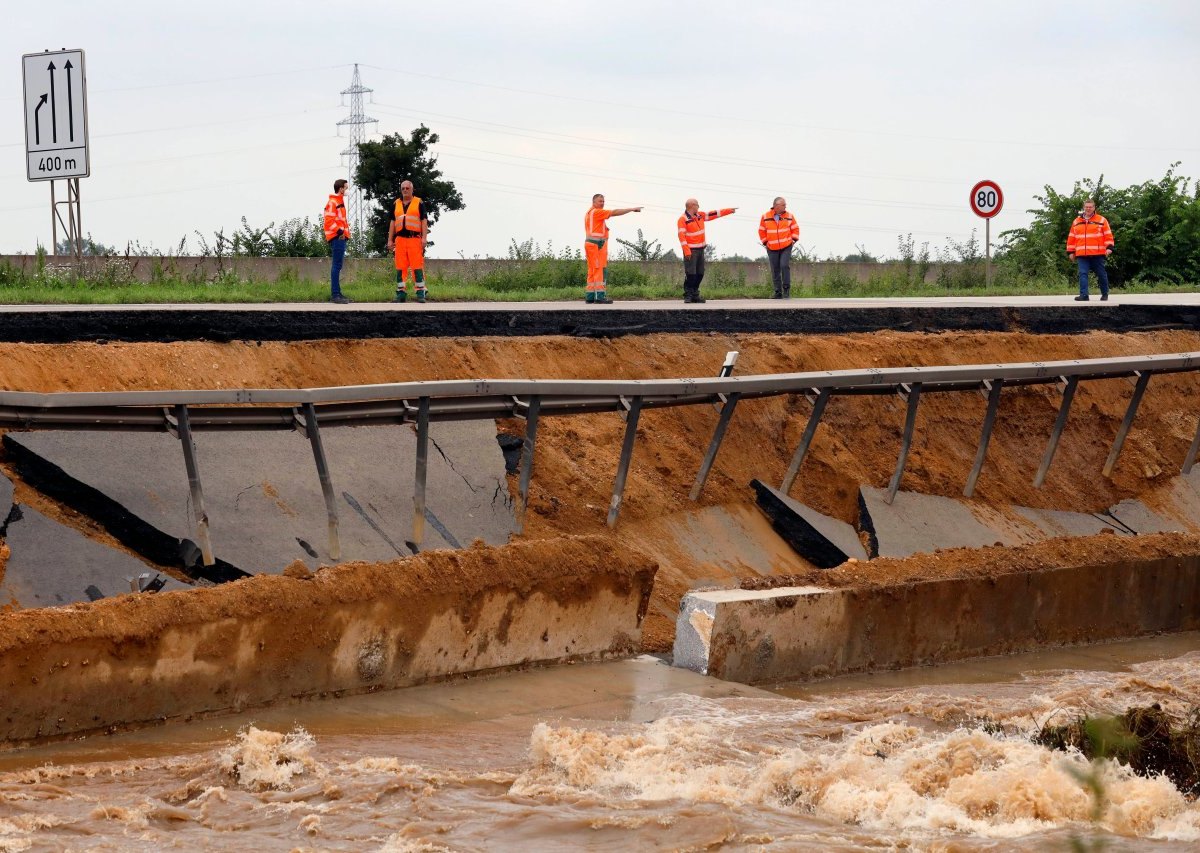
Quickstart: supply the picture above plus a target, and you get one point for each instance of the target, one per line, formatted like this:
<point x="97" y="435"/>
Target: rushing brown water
<point x="631" y="755"/>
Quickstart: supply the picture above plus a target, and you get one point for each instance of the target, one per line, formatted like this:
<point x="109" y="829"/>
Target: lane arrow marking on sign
<point x="37" y="121"/>
<point x="70" y="101"/>
<point x="53" y="104"/>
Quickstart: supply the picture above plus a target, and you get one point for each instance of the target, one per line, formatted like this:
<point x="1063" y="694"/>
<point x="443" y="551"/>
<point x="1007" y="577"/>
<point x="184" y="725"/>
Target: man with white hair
<point x="692" y="241"/>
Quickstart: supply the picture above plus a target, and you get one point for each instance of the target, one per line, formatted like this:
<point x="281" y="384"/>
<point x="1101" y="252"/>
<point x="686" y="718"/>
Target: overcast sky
<point x="873" y="119"/>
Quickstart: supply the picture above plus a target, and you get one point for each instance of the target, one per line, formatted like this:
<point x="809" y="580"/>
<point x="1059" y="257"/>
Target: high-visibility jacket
<point x="335" y="217"/>
<point x="595" y="225"/>
<point x="1089" y="236"/>
<point x="408" y="216"/>
<point x="691" y="228"/>
<point x="778" y="230"/>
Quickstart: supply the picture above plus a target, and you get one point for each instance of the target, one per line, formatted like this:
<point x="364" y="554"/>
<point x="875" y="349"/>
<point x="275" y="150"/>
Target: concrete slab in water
<point x="823" y="541"/>
<point x="263" y="496"/>
<point x="915" y="523"/>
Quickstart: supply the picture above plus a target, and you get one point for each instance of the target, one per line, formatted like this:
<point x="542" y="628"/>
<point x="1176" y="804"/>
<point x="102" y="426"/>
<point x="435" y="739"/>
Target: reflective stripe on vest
<point x="592" y="229"/>
<point x="1089" y="237"/>
<point x="777" y="234"/>
<point x="335" y="218"/>
<point x="408" y="219"/>
<point x="691" y="228"/>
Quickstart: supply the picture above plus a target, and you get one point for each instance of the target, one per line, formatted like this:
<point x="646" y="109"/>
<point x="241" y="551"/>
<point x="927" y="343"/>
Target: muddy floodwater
<point x="631" y="755"/>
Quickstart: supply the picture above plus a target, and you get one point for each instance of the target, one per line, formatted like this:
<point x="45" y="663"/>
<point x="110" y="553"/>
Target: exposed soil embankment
<point x="856" y="444"/>
<point x="990" y="562"/>
<point x="351" y="628"/>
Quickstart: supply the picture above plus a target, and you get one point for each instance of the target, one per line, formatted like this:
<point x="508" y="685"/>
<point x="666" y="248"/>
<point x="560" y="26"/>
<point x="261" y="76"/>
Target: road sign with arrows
<point x="56" y="137"/>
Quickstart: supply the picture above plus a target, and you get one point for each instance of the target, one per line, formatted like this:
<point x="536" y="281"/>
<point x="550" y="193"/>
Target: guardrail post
<point x="318" y="449"/>
<point x="422" y="468"/>
<point x="1190" y="459"/>
<point x="1059" y="423"/>
<point x="527" y="451"/>
<point x="714" y="445"/>
<point x="910" y="422"/>
<point x="989" y="421"/>
<point x="1143" y="379"/>
<point x="193" y="474"/>
<point x="631" y="423"/>
<point x="805" y="440"/>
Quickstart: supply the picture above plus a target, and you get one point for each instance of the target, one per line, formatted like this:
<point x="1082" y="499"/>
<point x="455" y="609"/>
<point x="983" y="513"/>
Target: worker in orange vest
<point x="337" y="234"/>
<point x="408" y="233"/>
<point x="692" y="241"/>
<point x="1089" y="242"/>
<point x="595" y="229"/>
<point x="778" y="231"/>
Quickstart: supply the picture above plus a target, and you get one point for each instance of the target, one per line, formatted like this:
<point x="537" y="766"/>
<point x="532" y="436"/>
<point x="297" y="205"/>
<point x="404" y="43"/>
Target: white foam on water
<point x="884" y="777"/>
<point x="261" y="759"/>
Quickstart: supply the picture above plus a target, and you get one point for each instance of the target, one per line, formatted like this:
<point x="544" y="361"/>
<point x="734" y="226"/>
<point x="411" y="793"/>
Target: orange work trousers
<point x="410" y="256"/>
<point x="597" y="260"/>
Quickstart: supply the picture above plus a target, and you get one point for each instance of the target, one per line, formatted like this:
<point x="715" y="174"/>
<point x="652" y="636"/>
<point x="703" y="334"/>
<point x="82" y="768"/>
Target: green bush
<point x="1156" y="226"/>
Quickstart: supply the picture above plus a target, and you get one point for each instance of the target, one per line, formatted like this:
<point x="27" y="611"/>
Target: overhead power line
<point x="728" y="119"/>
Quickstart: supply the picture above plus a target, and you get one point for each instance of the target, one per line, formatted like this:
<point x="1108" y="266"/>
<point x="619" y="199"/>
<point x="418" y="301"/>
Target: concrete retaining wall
<point x="201" y="269"/>
<point x="801" y="633"/>
<point x="135" y="660"/>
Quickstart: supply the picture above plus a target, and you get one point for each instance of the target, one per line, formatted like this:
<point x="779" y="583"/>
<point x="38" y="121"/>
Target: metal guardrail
<point x="183" y="413"/>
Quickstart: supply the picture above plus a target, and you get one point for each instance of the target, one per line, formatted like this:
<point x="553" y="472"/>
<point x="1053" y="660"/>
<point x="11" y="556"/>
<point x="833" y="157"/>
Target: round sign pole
<point x="986" y="201"/>
<point x="987" y="252"/>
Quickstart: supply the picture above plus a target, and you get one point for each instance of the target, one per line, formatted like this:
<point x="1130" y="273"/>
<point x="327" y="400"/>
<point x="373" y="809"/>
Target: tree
<point x="640" y="249"/>
<point x="90" y="247"/>
<point x="862" y="256"/>
<point x="384" y="164"/>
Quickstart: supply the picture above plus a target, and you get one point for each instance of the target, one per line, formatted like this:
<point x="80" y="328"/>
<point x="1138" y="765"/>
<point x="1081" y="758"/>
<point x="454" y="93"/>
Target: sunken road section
<point x="43" y="324"/>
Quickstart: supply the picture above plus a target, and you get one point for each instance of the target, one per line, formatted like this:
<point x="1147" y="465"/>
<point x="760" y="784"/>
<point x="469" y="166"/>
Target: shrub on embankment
<point x="1148" y="740"/>
<point x="1156" y="227"/>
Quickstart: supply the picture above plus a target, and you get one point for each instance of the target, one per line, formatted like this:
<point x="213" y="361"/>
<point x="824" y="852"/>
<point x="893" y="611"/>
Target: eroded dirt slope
<point x="857" y="442"/>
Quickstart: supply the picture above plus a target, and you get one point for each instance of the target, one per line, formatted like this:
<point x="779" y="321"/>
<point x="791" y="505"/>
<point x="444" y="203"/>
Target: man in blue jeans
<point x="1089" y="242"/>
<point x="337" y="232"/>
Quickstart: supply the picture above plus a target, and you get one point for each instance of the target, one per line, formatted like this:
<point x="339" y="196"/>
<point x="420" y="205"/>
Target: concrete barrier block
<point x="822" y="540"/>
<point x="710" y="616"/>
<point x="800" y="633"/>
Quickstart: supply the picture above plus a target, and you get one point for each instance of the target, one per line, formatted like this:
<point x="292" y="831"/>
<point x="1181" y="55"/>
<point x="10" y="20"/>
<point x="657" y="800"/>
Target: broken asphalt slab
<point x="50" y="564"/>
<point x="263" y="497"/>
<point x="822" y="540"/>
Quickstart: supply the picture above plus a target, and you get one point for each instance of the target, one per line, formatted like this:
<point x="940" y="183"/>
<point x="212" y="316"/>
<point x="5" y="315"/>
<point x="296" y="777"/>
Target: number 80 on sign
<point x="986" y="199"/>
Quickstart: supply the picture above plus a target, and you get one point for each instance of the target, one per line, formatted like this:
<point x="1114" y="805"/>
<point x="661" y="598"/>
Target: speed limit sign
<point x="986" y="199"/>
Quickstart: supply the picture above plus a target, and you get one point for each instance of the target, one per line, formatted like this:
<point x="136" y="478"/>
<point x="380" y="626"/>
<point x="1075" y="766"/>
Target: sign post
<point x="56" y="134"/>
<point x="986" y="201"/>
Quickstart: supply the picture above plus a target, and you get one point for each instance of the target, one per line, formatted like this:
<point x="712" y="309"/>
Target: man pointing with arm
<point x="692" y="241"/>
<point x="595" y="229"/>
